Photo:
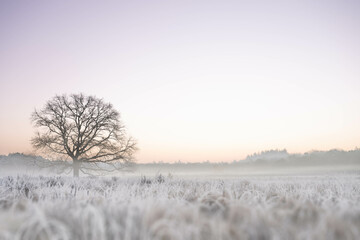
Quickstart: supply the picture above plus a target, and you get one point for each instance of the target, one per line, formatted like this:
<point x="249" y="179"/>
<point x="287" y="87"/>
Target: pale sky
<point x="193" y="80"/>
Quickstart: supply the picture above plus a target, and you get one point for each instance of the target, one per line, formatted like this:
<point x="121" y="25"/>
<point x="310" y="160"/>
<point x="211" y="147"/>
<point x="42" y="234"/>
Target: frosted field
<point x="287" y="207"/>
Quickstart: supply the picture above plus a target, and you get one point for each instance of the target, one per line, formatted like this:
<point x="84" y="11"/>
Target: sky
<point x="193" y="80"/>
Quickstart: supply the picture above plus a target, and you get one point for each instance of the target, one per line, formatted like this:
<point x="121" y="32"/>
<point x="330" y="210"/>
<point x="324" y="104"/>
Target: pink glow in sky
<point x="194" y="80"/>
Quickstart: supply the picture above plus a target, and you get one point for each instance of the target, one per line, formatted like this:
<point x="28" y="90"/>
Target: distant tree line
<point x="264" y="158"/>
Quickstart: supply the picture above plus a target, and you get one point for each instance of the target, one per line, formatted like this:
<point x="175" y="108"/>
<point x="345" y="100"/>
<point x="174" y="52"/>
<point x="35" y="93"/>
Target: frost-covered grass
<point x="293" y="207"/>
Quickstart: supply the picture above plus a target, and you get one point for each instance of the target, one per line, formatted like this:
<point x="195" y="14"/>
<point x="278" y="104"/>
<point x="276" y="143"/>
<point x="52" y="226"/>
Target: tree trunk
<point x="76" y="167"/>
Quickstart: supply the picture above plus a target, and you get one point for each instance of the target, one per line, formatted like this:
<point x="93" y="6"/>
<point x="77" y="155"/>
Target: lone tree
<point x="84" y="131"/>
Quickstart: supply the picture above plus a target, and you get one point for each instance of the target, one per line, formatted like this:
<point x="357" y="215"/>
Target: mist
<point x="269" y="162"/>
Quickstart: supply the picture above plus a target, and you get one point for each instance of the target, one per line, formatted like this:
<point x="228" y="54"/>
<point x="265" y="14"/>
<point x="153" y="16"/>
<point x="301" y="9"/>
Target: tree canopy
<point x="82" y="129"/>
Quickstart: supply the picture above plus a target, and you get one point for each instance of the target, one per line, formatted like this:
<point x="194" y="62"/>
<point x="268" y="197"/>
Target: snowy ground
<point x="284" y="207"/>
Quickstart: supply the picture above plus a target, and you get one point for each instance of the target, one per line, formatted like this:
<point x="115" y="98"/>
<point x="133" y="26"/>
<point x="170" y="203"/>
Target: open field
<point x="267" y="207"/>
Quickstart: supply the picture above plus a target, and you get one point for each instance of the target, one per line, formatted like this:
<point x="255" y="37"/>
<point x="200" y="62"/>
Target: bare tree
<point x="84" y="131"/>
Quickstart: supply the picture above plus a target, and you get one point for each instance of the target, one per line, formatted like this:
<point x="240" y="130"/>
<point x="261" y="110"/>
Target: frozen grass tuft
<point x="61" y="208"/>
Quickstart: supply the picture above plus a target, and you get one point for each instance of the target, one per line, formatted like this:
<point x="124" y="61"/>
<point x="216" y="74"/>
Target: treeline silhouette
<point x="265" y="159"/>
